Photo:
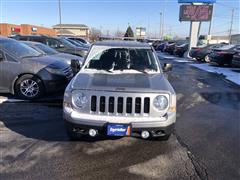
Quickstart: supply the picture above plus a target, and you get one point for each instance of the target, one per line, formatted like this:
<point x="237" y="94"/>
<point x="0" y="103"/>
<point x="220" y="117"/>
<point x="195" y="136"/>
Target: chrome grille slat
<point x="133" y="105"/>
<point x="97" y="104"/>
<point x="124" y="105"/>
<point x="142" y="106"/>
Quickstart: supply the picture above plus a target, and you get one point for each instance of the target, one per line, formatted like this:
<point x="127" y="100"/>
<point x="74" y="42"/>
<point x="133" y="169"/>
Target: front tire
<point x="206" y="59"/>
<point x="29" y="87"/>
<point x="162" y="138"/>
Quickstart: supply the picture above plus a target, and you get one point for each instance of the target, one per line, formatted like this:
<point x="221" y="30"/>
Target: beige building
<point x="78" y="30"/>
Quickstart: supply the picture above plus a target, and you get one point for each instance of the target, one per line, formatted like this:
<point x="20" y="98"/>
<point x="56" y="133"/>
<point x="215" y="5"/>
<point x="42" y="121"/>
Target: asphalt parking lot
<point x="205" y="144"/>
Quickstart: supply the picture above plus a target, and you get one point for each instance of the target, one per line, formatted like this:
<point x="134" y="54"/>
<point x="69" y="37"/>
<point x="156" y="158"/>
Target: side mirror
<point x="61" y="46"/>
<point x="76" y="66"/>
<point x="167" y="67"/>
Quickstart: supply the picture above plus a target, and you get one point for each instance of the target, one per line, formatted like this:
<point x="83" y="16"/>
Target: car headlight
<point x="79" y="99"/>
<point x="160" y="102"/>
<point x="55" y="71"/>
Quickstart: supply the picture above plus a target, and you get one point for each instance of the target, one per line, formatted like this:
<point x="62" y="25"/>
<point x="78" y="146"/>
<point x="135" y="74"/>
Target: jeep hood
<point x="122" y="82"/>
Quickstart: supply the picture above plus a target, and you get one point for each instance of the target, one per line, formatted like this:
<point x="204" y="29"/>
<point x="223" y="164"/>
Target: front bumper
<point x="135" y="131"/>
<point x="164" y="125"/>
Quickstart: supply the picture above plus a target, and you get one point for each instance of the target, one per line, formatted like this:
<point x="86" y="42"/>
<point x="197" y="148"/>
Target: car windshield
<point x="19" y="49"/>
<point x="113" y="59"/>
<point x="47" y="50"/>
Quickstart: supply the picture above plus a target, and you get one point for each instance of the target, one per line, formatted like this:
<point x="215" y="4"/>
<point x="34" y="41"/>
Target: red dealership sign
<point x="196" y="12"/>
<point x="16" y="29"/>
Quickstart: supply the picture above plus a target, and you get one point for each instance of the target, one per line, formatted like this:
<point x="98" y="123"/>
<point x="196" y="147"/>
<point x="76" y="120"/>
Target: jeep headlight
<point x="79" y="99"/>
<point x="160" y="102"/>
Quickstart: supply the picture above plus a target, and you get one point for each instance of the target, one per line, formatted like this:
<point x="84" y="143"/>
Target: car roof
<point x="5" y="39"/>
<point x="118" y="43"/>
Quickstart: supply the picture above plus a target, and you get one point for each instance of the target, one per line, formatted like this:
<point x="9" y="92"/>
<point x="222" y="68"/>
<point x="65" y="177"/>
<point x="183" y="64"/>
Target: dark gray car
<point x="44" y="49"/>
<point x="27" y="73"/>
<point x="58" y="43"/>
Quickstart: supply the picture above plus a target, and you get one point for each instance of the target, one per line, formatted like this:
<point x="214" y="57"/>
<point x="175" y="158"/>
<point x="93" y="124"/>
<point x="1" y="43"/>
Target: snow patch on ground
<point x="183" y="60"/>
<point x="230" y="74"/>
<point x="6" y="99"/>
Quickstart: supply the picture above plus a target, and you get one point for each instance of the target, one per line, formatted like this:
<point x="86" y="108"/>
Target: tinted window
<point x="124" y="59"/>
<point x="22" y="38"/>
<point x="18" y="49"/>
<point x="37" y="39"/>
<point x="53" y="43"/>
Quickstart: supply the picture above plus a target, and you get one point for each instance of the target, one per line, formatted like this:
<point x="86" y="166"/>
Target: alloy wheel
<point x="29" y="88"/>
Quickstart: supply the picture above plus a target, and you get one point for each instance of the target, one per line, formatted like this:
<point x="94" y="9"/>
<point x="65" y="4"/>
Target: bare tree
<point x="95" y="34"/>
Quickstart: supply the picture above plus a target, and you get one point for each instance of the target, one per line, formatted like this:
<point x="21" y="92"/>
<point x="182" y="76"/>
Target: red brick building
<point x="25" y="29"/>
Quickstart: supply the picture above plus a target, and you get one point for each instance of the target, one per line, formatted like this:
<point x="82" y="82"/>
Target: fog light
<point x="145" y="134"/>
<point x="92" y="132"/>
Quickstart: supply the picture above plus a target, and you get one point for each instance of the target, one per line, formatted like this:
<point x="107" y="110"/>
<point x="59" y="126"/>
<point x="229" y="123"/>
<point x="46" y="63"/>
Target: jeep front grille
<point x="120" y="105"/>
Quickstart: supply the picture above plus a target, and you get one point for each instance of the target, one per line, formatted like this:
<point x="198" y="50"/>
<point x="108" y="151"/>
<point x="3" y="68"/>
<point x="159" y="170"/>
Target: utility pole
<point x="231" y="26"/>
<point x="160" y="28"/>
<point x="163" y="24"/>
<point x="60" y="16"/>
<point x="209" y="29"/>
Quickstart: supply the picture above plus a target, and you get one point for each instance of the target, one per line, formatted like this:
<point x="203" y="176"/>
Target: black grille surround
<point x="119" y="105"/>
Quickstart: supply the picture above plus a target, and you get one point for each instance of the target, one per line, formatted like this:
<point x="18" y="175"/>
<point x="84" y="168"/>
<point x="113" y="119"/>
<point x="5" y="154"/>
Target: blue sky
<point x="115" y="15"/>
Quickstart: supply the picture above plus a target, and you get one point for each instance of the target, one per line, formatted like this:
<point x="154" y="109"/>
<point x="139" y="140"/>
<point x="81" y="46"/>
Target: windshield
<point x="19" y="49"/>
<point x="47" y="50"/>
<point x="124" y="59"/>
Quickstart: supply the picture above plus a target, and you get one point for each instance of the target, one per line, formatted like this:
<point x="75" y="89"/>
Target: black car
<point x="180" y="50"/>
<point x="28" y="73"/>
<point x="58" y="43"/>
<point x="201" y="53"/>
<point x="236" y="58"/>
<point x="223" y="55"/>
<point x="169" y="47"/>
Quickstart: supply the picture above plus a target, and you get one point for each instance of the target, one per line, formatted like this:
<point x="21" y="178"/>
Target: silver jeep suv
<point x="121" y="90"/>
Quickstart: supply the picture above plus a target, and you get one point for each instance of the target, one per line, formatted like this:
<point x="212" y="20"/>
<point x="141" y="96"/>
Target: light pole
<point x="60" y="16"/>
<point x="231" y="26"/>
<point x="160" y="28"/>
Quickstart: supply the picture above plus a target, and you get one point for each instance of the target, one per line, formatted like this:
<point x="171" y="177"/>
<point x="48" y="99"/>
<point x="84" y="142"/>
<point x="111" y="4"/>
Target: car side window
<point x="37" y="39"/>
<point x="53" y="43"/>
<point x="23" y="38"/>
